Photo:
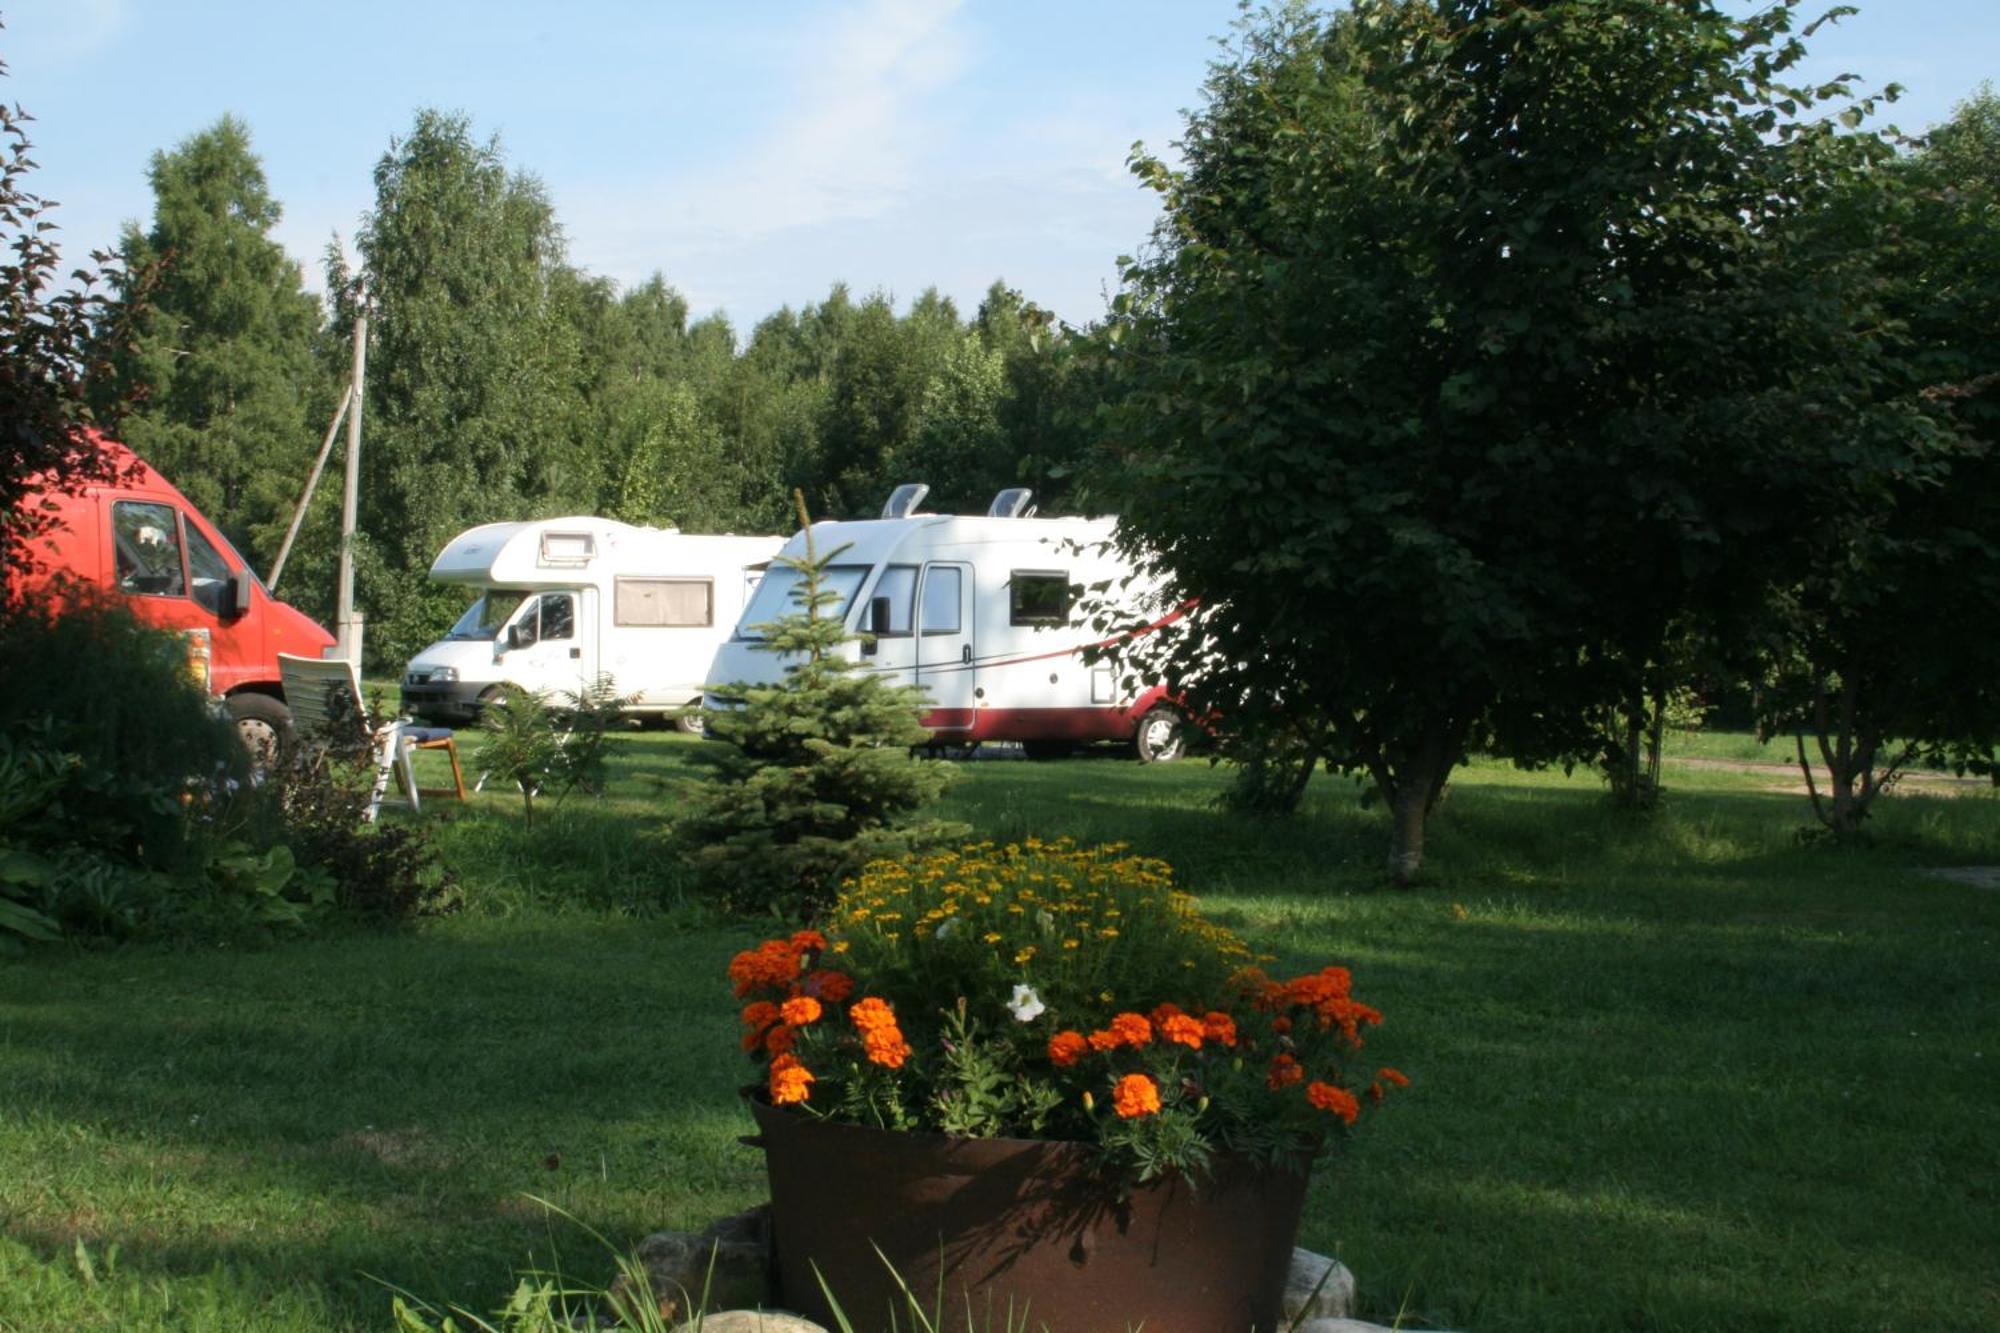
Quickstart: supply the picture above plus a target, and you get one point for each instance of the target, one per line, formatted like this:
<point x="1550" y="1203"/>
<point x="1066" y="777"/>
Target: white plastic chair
<point x="324" y="695"/>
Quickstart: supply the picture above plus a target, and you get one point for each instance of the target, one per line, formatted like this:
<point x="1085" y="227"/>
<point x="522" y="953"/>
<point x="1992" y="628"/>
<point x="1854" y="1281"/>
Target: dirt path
<point x="1932" y="784"/>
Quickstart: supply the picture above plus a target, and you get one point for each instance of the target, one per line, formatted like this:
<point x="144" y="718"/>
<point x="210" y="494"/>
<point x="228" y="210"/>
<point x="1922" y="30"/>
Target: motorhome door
<point x="945" y="656"/>
<point x="550" y="644"/>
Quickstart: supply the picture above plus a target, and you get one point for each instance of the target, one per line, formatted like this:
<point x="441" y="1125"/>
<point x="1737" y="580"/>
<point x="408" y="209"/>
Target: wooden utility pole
<point x="312" y="484"/>
<point x="347" y="621"/>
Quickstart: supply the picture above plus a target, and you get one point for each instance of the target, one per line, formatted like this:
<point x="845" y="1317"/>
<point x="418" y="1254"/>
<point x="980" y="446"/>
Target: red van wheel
<point x="262" y="725"/>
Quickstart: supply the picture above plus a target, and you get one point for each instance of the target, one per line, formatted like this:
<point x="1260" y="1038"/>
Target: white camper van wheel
<point x="1160" y="738"/>
<point x="262" y="725"/>
<point x="691" y="721"/>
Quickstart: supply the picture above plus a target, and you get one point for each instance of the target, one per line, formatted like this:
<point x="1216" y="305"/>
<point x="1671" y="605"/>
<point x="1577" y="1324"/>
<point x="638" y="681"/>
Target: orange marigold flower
<point x="1219" y="1027"/>
<point x="1102" y="1041"/>
<point x="800" y="1010"/>
<point x="1395" y="1076"/>
<point x="885" y="1046"/>
<point x="808" y="941"/>
<point x="1281" y="1025"/>
<point x="790" y="1081"/>
<point x="780" y="1039"/>
<point x="1338" y="1100"/>
<point x="756" y="1017"/>
<point x="1162" y="1012"/>
<point x="1135" y="1095"/>
<point x="872" y="1013"/>
<point x="832" y="987"/>
<point x="1181" y="1030"/>
<point x="1066" y="1048"/>
<point x="1131" y="1029"/>
<point x="1284" y="1071"/>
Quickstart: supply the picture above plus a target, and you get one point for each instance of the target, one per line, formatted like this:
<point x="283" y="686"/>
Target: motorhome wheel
<point x="1160" y="738"/>
<point x="691" y="721"/>
<point x="263" y="725"/>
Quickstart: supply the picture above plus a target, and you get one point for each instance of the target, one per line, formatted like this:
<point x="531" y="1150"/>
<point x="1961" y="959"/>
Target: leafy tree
<point x="1874" y="665"/>
<point x="475" y="402"/>
<point x="55" y="328"/>
<point x="1469" y="355"/>
<point x="817" y="778"/>
<point x="230" y="394"/>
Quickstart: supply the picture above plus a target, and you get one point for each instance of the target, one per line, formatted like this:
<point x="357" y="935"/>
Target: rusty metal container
<point x="1025" y="1223"/>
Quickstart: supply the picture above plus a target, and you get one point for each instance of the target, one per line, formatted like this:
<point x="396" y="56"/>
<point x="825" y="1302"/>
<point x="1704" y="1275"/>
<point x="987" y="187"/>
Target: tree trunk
<point x="1408" y="809"/>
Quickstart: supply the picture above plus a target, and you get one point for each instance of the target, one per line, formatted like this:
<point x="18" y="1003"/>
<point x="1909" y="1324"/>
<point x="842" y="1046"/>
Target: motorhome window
<point x="483" y="619"/>
<point x="663" y="602"/>
<point x="773" y="598"/>
<point x="208" y="572"/>
<point x="1038" y="597"/>
<point x="941" y="600"/>
<point x="897" y="587"/>
<point x="558" y="616"/>
<point x="149" y="549"/>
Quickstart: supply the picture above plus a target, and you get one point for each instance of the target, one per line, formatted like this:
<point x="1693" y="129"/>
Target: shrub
<point x="546" y="747"/>
<point x="385" y="871"/>
<point x="818" y="778"/>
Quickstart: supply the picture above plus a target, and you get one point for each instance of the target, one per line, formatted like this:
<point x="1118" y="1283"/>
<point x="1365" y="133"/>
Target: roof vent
<point x="904" y="500"/>
<point x="1012" y="503"/>
<point x="567" y="550"/>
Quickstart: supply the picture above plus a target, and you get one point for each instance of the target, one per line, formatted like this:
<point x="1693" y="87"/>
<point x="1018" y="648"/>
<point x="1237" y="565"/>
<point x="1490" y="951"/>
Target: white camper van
<point x="561" y="602"/>
<point x="982" y="614"/>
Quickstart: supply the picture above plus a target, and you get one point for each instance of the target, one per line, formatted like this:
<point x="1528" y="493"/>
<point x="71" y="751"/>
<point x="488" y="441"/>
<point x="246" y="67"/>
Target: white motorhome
<point x="981" y="613"/>
<point x="563" y="602"/>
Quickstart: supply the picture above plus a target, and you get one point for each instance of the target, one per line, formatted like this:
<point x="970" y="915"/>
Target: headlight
<point x="444" y="675"/>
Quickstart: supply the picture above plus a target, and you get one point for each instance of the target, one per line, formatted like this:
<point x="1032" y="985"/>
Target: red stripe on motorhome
<point x="1105" y="723"/>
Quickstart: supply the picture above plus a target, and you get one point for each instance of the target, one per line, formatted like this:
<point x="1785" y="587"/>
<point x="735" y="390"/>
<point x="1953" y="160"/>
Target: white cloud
<point x="49" y="34"/>
<point x="850" y="139"/>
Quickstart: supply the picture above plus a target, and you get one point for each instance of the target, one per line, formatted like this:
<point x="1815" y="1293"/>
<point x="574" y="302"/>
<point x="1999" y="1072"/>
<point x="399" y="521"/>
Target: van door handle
<point x="576" y="652"/>
<point x="965" y="654"/>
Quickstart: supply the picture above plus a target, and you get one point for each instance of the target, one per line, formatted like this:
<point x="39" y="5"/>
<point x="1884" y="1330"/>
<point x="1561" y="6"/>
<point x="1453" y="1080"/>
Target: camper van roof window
<point x="903" y="501"/>
<point x="567" y="549"/>
<point x="1012" y="503"/>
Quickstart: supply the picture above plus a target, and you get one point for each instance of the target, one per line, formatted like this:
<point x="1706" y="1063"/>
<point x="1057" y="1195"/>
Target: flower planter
<point x="1021" y="1222"/>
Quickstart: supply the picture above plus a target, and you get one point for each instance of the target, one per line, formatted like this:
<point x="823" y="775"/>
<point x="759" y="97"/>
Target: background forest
<point x="504" y="383"/>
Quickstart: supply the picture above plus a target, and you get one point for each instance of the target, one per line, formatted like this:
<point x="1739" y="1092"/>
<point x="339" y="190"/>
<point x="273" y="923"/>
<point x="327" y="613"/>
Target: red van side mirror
<point x="236" y="596"/>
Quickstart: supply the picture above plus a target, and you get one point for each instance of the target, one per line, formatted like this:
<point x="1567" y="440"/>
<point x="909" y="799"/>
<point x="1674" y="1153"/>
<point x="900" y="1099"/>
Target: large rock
<point x="677" y="1267"/>
<point x="753" y="1321"/>
<point x="1318" y="1288"/>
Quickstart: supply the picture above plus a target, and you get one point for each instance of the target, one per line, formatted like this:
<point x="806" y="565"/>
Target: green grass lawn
<point x="1685" y="1073"/>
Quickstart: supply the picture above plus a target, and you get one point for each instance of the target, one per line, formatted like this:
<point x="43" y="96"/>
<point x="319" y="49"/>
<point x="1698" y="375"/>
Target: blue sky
<point x="754" y="154"/>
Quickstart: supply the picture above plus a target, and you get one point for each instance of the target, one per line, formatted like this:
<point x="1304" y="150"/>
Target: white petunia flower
<point x="1026" y="1006"/>
<point x="949" y="927"/>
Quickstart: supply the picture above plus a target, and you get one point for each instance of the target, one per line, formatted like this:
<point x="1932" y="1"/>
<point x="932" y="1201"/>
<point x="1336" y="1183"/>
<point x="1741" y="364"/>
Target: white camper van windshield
<point x="483" y="619"/>
<point x="773" y="597"/>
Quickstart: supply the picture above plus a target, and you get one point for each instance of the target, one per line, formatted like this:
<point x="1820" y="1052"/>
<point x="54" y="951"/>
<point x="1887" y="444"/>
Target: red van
<point x="140" y="537"/>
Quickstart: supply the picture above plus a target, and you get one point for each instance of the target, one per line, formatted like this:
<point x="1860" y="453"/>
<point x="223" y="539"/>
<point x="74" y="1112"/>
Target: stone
<point x="677" y="1268"/>
<point x="753" y="1321"/>
<point x="1318" y="1288"/>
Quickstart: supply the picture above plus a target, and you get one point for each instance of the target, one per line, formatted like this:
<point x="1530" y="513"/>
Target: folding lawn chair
<point x="324" y="695"/>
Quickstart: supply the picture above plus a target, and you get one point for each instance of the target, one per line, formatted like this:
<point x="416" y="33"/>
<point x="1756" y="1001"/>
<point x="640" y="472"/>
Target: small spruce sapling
<point x="817" y="778"/>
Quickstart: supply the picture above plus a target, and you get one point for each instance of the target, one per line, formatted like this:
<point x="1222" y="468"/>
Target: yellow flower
<point x="1025" y="954"/>
<point x="991" y="937"/>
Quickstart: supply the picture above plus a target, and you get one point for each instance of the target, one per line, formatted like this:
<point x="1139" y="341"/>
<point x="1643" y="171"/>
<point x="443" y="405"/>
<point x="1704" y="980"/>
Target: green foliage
<point x="1478" y="344"/>
<point x="229" y="395"/>
<point x="1870" y="640"/>
<point x="544" y="747"/>
<point x="817" y="779"/>
<point x="56" y="326"/>
<point x="382" y="871"/>
<point x="474" y="407"/>
<point x="124" y="803"/>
